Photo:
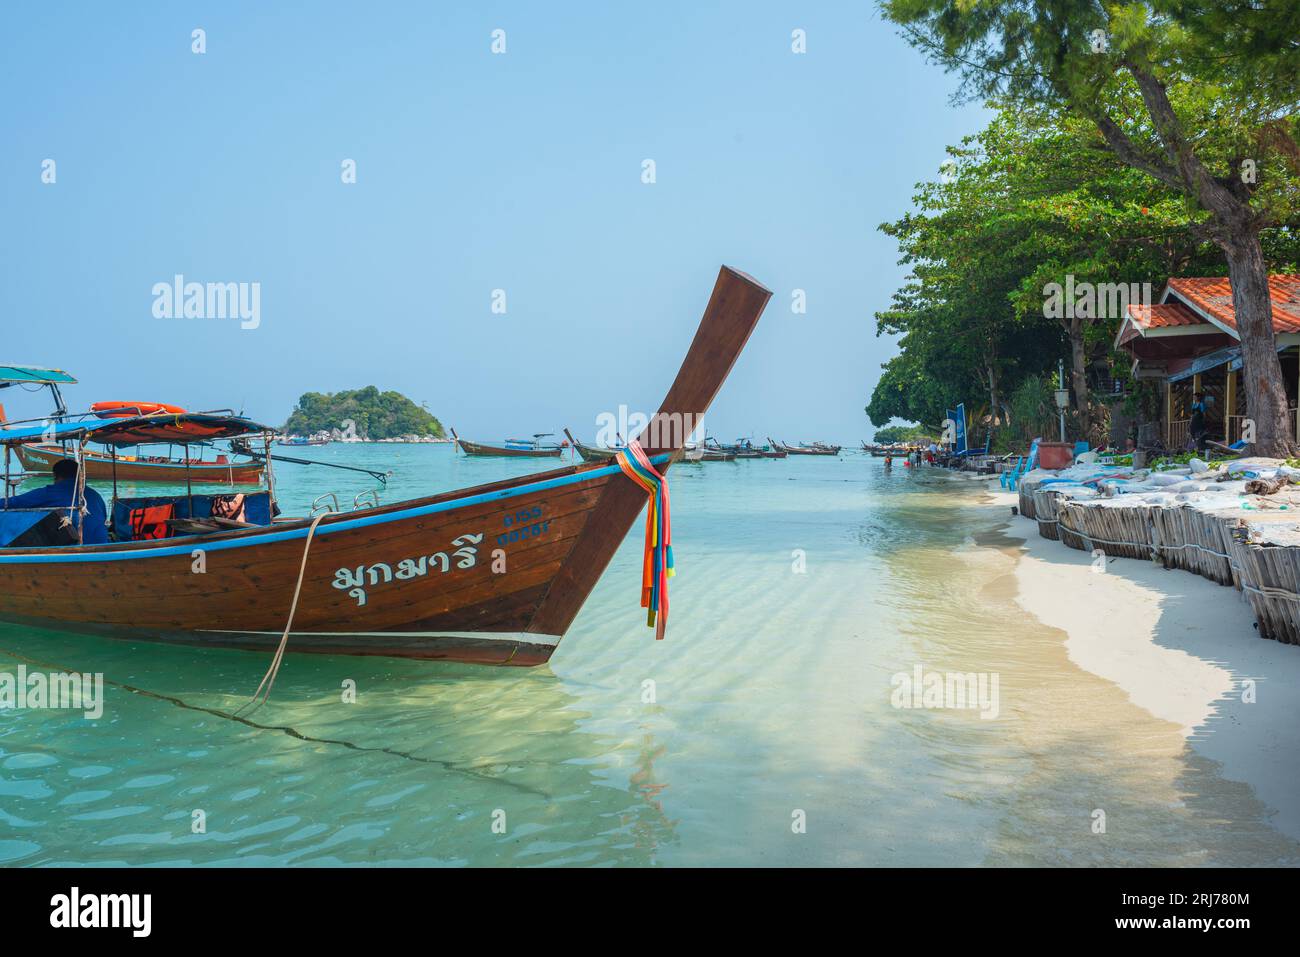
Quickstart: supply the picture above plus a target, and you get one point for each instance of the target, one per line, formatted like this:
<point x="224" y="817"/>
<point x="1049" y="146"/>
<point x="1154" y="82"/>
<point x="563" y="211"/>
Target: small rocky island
<point x="362" y="415"/>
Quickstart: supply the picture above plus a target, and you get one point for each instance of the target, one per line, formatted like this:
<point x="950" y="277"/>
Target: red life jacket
<point x="151" y="522"/>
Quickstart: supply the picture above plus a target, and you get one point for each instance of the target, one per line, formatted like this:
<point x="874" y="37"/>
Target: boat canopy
<point x="35" y="374"/>
<point x="140" y="430"/>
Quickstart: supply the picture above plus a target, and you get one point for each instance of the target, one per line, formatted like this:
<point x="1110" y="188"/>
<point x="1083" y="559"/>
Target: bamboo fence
<point x="1213" y="541"/>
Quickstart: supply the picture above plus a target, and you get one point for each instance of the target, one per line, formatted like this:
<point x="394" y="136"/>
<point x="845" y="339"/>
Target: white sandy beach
<point x="1182" y="648"/>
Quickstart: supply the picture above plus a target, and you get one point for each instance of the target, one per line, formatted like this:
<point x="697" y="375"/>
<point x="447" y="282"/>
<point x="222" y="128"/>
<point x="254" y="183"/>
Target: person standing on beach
<point x="1196" y="428"/>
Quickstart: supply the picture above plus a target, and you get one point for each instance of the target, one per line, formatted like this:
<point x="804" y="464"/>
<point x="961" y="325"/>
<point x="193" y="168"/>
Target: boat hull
<point x="100" y="467"/>
<point x="459" y="578"/>
<point x="494" y="574"/>
<point x="591" y="453"/>
<point x="478" y="448"/>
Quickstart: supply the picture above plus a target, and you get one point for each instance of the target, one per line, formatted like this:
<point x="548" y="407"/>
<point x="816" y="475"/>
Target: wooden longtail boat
<point x="712" y="445"/>
<point x="479" y="448"/>
<point x="742" y="450"/>
<point x="804" y="449"/>
<point x="590" y="453"/>
<point x="135" y="468"/>
<point x="491" y="574"/>
<point x="698" y="453"/>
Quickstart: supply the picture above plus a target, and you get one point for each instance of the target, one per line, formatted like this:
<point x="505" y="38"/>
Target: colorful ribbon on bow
<point x="657" y="567"/>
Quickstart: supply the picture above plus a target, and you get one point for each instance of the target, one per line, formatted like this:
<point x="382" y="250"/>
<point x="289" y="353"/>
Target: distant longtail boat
<point x="590" y="453"/>
<point x="514" y="448"/>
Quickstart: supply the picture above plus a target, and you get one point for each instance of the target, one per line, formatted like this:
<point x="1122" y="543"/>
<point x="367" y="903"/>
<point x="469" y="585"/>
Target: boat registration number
<point x="523" y="525"/>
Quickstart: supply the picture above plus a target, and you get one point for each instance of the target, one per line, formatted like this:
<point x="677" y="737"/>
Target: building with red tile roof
<point x="1189" y="339"/>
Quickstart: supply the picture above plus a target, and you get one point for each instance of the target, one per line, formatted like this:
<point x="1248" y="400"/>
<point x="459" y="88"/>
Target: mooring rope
<point x="268" y="680"/>
<point x="455" y="767"/>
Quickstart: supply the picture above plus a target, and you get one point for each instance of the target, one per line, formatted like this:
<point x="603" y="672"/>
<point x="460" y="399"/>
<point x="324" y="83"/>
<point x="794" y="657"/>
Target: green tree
<point x="904" y="433"/>
<point x="1217" y="85"/>
<point x="1031" y="200"/>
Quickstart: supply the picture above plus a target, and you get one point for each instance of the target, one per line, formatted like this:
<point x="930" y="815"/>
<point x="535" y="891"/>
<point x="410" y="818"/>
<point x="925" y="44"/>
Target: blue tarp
<point x="16" y="522"/>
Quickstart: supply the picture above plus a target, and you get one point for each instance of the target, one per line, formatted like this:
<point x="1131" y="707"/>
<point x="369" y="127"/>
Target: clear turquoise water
<point x="771" y="698"/>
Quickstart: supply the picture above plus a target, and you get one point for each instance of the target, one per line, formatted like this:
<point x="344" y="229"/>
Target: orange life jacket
<point x="151" y="521"/>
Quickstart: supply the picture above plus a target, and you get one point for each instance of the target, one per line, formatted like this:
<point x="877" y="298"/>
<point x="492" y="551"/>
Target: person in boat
<point x="60" y="494"/>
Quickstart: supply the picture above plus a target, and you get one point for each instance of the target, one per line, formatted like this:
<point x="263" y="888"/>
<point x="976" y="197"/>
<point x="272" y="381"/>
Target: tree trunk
<point x="1235" y="226"/>
<point x="994" y="403"/>
<point x="1266" y="399"/>
<point x="1079" y="375"/>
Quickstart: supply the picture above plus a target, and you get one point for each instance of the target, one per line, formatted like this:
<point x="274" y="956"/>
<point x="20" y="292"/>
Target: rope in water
<point x="657" y="565"/>
<point x="268" y="680"/>
<point x="448" y="765"/>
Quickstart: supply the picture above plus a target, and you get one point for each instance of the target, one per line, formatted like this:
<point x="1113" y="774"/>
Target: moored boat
<point x="743" y="449"/>
<point x="491" y="574"/>
<point x="105" y="466"/>
<point x="513" y="448"/>
<point x="299" y="441"/>
<point x="699" y="453"/>
<point x="40" y="456"/>
<point x="806" y="450"/>
<point x="590" y="453"/>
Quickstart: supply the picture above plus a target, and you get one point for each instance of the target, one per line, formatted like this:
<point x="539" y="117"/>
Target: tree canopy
<point x="1198" y="96"/>
<point x="1033" y="200"/>
<point x="377" y="415"/>
<point x="904" y="433"/>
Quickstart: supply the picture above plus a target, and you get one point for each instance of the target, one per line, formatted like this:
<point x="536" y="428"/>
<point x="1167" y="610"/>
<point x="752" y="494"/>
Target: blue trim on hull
<point x="72" y="553"/>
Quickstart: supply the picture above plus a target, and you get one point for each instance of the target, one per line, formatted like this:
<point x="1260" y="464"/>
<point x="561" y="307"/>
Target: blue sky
<point x="475" y="172"/>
